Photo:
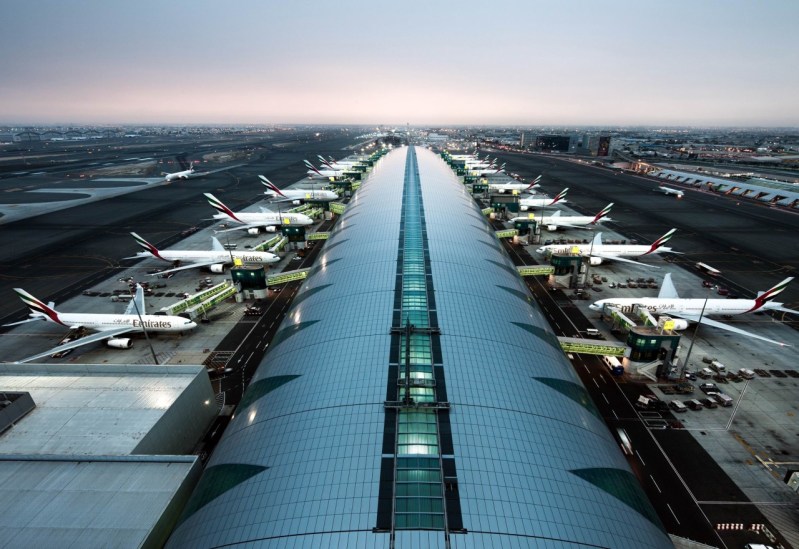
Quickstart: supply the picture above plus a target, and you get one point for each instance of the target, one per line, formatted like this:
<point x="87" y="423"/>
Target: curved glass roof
<point x="310" y="456"/>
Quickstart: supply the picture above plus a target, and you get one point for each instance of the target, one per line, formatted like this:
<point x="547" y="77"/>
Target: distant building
<point x="552" y="143"/>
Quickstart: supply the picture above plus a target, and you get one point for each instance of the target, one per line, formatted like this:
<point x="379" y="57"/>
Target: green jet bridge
<point x="592" y="346"/>
<point x="198" y="304"/>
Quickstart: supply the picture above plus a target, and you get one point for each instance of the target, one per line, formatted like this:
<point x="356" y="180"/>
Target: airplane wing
<point x="623" y="260"/>
<point x="99" y="336"/>
<point x="196" y="265"/>
<point x="136" y="305"/>
<point x="561" y="224"/>
<point x="247" y="226"/>
<point x="721" y="325"/>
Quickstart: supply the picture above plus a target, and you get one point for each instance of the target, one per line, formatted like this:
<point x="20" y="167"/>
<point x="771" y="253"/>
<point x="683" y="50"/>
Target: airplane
<point x="296" y="196"/>
<point x="179" y="175"/>
<point x="313" y="172"/>
<point x="215" y="259"/>
<point x="527" y="203"/>
<point x="669" y="190"/>
<point x="668" y="302"/>
<point x="339" y="164"/>
<point x="597" y="252"/>
<point x="556" y="220"/>
<point x="108" y="327"/>
<point x="253" y="222"/>
<point x="514" y="187"/>
<point x="486" y="171"/>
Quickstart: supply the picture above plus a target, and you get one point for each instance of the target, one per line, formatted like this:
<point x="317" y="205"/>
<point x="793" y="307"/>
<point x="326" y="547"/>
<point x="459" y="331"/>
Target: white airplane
<point x="597" y="252"/>
<point x="486" y="171"/>
<point x="343" y="165"/>
<point x="669" y="191"/>
<point x="315" y="172"/>
<point x="556" y="220"/>
<point x="527" y="203"/>
<point x="296" y="196"/>
<point x="185" y="174"/>
<point x="690" y="310"/>
<point x="514" y="188"/>
<point x="255" y="221"/>
<point x="108" y="327"/>
<point x="215" y="259"/>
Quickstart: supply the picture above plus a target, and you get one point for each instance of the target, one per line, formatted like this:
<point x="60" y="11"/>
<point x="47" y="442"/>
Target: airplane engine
<point x="595" y="261"/>
<point x="680" y="324"/>
<point x="119" y="343"/>
<point x="217" y="268"/>
<point x="254" y="231"/>
<point x="296" y="202"/>
<point x="552" y="227"/>
<point x="271" y="229"/>
<point x="523" y="208"/>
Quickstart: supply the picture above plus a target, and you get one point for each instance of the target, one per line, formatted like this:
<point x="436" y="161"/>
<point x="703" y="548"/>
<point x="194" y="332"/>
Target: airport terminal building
<point x="415" y="396"/>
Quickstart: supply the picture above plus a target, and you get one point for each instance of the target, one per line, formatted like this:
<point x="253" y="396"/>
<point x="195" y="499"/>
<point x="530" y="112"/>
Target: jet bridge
<point x="592" y="346"/>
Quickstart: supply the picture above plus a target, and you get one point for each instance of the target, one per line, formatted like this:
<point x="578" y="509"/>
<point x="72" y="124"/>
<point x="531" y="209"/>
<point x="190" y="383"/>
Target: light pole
<point x="691" y="346"/>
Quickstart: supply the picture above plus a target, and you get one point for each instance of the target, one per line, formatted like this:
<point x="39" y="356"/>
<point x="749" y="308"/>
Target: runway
<point x="56" y="255"/>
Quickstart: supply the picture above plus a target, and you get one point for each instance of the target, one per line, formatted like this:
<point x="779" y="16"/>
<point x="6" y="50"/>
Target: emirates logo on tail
<point x="147" y="247"/>
<point x="37" y="306"/>
<point x="216" y="204"/>
<point x="770" y="294"/>
<point x="560" y="196"/>
<point x="660" y="241"/>
<point x="605" y="211"/>
<point x="271" y="186"/>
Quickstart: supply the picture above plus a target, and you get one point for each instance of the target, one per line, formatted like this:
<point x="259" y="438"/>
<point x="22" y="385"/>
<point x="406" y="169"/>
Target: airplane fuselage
<point x="268" y="219"/>
<point x="222" y="256"/>
<point x="309" y="195"/>
<point x="685" y="306"/>
<point x="100" y="322"/>
<point x="621" y="250"/>
<point x="539" y="202"/>
<point x="510" y="187"/>
<point x="179" y="175"/>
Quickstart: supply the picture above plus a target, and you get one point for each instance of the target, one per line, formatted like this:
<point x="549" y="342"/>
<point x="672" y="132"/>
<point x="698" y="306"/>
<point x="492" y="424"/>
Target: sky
<point x="433" y="62"/>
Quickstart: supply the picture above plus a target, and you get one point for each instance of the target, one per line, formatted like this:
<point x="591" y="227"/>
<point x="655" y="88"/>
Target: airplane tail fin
<point x="604" y="212"/>
<point x="312" y="167"/>
<point x="660" y="241"/>
<point x="271" y="186"/>
<point x="38" y="308"/>
<point x="560" y="196"/>
<point x="220" y="207"/>
<point x="533" y="184"/>
<point x="327" y="163"/>
<point x="764" y="297"/>
<point x="147" y="247"/>
<point x="667" y="289"/>
<point x="136" y="305"/>
<point x="502" y="167"/>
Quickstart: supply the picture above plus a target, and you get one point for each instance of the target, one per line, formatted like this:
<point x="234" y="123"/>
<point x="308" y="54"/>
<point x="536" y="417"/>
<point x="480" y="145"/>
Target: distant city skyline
<point x="515" y="63"/>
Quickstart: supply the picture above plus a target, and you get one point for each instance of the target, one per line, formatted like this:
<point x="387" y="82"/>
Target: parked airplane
<point x="336" y="165"/>
<point x="180" y="175"/>
<point x="527" y="203"/>
<point x="296" y="196"/>
<point x="691" y="309"/>
<point x="597" y="252"/>
<point x="555" y="221"/>
<point x="514" y="187"/>
<point x="215" y="259"/>
<point x="314" y="172"/>
<point x="255" y="221"/>
<point x="108" y="326"/>
<point x="668" y="190"/>
<point x="485" y="171"/>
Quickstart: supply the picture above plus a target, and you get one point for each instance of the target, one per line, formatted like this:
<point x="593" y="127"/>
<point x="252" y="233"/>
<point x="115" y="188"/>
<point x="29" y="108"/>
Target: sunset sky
<point x="715" y="62"/>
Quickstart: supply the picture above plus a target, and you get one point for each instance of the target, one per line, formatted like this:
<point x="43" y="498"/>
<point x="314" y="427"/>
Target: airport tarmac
<point x="754" y="246"/>
<point x="57" y="255"/>
<point x="754" y="441"/>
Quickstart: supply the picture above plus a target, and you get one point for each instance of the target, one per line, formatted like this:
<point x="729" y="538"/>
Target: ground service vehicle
<point x="613" y="365"/>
